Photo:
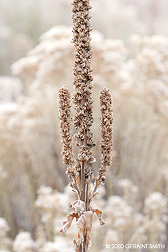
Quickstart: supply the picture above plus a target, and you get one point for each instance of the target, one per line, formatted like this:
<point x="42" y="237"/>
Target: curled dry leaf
<point x="78" y="205"/>
<point x="94" y="208"/>
<point x="83" y="218"/>
<point x="84" y="225"/>
<point x="68" y="222"/>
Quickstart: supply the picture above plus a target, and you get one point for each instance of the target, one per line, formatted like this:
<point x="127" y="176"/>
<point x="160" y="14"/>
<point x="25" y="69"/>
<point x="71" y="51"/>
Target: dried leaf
<point x="78" y="206"/>
<point x="67" y="224"/>
<point x="71" y="205"/>
<point x="84" y="225"/>
<point x="94" y="208"/>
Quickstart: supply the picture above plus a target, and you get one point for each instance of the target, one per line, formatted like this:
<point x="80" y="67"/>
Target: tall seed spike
<point x="65" y="125"/>
<point x="106" y="144"/>
<point x="82" y="70"/>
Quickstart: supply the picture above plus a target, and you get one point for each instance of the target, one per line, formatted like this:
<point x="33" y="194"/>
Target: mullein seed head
<point x="65" y="125"/>
<point x="106" y="144"/>
<point x="82" y="70"/>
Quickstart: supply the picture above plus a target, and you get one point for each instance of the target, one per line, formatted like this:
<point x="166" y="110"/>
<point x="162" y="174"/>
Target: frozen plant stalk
<point x="80" y="168"/>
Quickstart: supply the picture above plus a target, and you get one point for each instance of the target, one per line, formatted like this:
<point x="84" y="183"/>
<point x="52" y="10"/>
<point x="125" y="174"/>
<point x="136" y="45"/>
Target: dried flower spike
<point x="106" y="144"/>
<point x="82" y="72"/>
<point x="82" y="97"/>
<point x="65" y="125"/>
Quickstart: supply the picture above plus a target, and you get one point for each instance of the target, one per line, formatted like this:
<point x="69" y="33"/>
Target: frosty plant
<point x="80" y="168"/>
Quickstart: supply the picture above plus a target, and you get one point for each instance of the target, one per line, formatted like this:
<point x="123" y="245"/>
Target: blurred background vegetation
<point x="130" y="57"/>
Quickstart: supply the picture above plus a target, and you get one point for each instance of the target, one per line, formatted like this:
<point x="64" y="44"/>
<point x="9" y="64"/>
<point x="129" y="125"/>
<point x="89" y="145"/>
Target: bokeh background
<point x="130" y="57"/>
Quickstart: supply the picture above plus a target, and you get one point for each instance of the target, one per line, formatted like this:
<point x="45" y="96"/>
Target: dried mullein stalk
<point x="65" y="125"/>
<point x="80" y="169"/>
<point x="82" y="99"/>
<point x="106" y="144"/>
<point x="106" y="127"/>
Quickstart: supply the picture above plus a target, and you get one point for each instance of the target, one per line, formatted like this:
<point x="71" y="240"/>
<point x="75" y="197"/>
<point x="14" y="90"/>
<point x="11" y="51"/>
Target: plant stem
<point x="83" y="182"/>
<point x="83" y="195"/>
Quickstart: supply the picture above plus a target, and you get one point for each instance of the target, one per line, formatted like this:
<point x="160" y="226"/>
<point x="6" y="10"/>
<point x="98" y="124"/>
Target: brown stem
<point x="83" y="181"/>
<point x="83" y="245"/>
<point x="87" y="196"/>
<point x="83" y="198"/>
<point x="84" y="195"/>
